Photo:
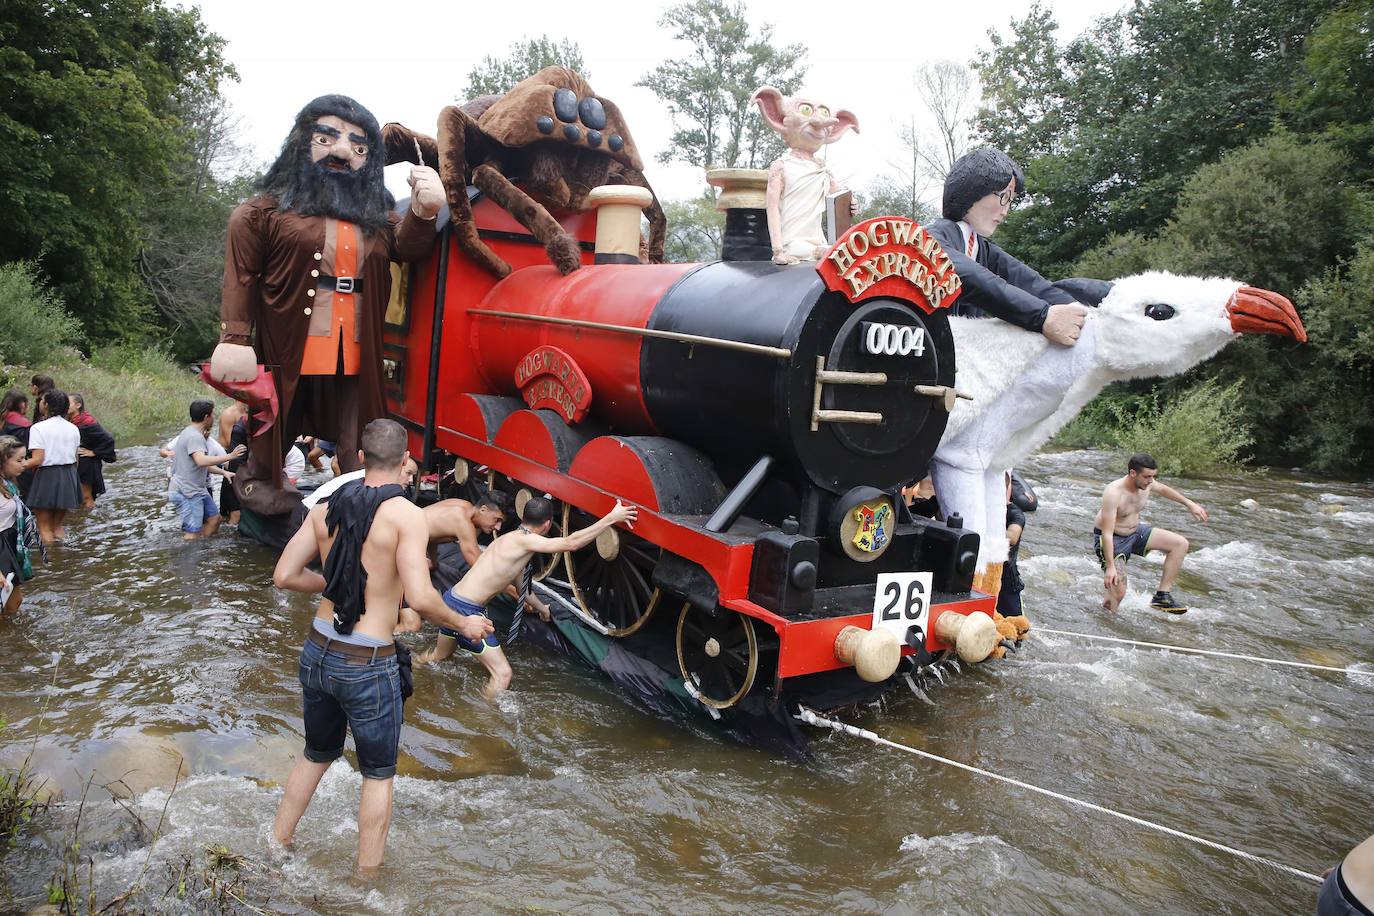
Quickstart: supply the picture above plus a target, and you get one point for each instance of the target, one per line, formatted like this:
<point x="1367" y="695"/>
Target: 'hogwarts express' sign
<point x="891" y="256"/>
<point x="549" y="378"/>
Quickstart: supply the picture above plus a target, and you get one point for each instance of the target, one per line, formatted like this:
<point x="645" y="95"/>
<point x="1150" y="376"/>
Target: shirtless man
<point x="1120" y="533"/>
<point x="500" y="566"/>
<point x="352" y="679"/>
<point x="451" y="520"/>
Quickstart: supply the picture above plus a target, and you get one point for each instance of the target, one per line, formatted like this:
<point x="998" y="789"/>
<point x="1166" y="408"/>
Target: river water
<point x="138" y="660"/>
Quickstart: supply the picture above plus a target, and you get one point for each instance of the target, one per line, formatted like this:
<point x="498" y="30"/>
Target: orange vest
<point x="333" y="316"/>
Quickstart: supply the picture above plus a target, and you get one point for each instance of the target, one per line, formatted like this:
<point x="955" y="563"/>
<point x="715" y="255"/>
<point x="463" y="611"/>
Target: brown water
<point x="136" y="654"/>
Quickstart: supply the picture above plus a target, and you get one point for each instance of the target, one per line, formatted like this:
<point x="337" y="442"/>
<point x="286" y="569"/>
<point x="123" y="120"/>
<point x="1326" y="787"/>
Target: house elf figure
<point x="306" y="283"/>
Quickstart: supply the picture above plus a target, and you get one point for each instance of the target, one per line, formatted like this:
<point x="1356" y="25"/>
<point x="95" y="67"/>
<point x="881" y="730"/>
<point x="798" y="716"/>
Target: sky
<point x="405" y="63"/>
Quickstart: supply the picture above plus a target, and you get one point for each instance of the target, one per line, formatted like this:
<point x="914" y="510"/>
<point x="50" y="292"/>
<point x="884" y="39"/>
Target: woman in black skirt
<point x="52" y="454"/>
<point x="12" y="514"/>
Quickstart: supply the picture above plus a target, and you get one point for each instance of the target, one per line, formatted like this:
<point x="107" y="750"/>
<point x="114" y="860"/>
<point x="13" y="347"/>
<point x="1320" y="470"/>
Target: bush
<point x="1200" y="432"/>
<point x="34" y="324"/>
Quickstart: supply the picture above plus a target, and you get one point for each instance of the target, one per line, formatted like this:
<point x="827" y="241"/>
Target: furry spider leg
<point x="562" y="248"/>
<point x="459" y="136"/>
<point x="400" y="145"/>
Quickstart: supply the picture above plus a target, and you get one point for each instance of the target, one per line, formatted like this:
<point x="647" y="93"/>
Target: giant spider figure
<point x="552" y="134"/>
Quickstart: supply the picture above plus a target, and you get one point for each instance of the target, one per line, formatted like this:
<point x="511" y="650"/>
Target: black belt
<point x="367" y="653"/>
<point x="340" y="284"/>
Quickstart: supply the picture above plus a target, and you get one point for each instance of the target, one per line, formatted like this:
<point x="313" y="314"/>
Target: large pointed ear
<point x="770" y="102"/>
<point x="847" y="121"/>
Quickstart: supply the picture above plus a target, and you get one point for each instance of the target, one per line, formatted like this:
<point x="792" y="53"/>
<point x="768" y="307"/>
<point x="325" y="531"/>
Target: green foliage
<point x="1111" y="125"/>
<point x="90" y="124"/>
<point x="1202" y="431"/>
<point x="1334" y="93"/>
<point x="1271" y="214"/>
<point x="20" y="795"/>
<point x="525" y="58"/>
<point x="1331" y="391"/>
<point x="707" y="91"/>
<point x="695" y="228"/>
<point x="34" y="325"/>
<point x="134" y="389"/>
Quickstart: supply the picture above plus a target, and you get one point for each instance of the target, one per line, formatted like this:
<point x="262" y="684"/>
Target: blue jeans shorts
<point x="362" y="695"/>
<point x="194" y="510"/>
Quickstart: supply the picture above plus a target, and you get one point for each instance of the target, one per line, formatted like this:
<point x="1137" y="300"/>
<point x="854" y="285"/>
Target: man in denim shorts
<point x="349" y="674"/>
<point x="191" y="463"/>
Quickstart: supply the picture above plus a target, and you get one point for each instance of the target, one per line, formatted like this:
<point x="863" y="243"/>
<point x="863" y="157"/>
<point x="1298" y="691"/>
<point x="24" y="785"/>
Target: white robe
<point x="801" y="208"/>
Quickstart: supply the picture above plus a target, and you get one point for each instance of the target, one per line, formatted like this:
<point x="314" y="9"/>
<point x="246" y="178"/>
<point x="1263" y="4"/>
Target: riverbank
<point x="133" y="391"/>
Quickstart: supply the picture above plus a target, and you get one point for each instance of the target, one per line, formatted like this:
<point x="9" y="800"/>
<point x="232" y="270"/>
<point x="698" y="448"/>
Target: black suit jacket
<point x="996" y="284"/>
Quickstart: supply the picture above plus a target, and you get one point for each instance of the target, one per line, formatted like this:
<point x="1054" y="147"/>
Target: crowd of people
<point x="50" y="463"/>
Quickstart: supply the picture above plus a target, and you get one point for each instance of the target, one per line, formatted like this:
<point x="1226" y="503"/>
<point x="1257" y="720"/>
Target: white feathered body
<point x="1025" y="389"/>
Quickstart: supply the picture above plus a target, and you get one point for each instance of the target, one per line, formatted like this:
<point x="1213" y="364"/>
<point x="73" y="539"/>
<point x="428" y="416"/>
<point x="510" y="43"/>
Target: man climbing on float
<point x="307" y="267"/>
<point x="506" y="562"/>
<point x="1118" y="533"/>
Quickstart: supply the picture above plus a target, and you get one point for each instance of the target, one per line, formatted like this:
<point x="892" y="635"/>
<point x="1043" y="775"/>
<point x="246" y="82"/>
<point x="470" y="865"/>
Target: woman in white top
<point x="52" y="452"/>
<point x="11" y="517"/>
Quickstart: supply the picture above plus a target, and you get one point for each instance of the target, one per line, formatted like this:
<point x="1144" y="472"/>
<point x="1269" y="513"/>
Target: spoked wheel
<point x="718" y="654"/>
<point x="612" y="577"/>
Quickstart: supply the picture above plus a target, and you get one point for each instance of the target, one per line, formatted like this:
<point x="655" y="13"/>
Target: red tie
<point x="972" y="243"/>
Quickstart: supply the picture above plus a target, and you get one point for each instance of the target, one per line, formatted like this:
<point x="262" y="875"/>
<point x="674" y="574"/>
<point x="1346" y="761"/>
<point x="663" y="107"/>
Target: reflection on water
<point x="139" y="660"/>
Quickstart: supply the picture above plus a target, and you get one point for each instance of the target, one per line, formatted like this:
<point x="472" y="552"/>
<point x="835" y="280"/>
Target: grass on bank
<point x="130" y="389"/>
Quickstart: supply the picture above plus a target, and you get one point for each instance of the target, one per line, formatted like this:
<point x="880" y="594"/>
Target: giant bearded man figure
<point x="307" y="268"/>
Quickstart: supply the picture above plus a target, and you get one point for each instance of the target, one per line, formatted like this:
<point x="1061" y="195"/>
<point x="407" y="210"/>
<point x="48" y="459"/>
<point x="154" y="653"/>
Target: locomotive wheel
<point x="717" y="653"/>
<point x="612" y="577"/>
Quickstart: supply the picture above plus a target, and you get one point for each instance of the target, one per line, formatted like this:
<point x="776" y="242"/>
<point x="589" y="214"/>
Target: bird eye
<point x="1159" y="311"/>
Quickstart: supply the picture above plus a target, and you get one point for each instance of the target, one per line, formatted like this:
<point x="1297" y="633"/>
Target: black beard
<point x="314" y="189"/>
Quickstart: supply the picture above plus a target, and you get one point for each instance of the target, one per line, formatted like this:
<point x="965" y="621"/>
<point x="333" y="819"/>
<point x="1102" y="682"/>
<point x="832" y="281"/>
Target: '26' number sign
<point x="902" y="601"/>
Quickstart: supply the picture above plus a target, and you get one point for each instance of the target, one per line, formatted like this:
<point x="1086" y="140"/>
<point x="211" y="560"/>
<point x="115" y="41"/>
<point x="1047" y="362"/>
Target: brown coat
<point x="268" y="286"/>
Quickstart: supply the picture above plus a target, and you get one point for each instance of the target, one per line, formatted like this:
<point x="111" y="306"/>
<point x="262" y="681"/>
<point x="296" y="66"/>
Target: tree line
<point x="1231" y="137"/>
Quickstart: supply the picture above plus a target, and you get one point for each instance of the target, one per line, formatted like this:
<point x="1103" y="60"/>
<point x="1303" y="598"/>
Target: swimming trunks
<point x="1123" y="545"/>
<point x="468" y="609"/>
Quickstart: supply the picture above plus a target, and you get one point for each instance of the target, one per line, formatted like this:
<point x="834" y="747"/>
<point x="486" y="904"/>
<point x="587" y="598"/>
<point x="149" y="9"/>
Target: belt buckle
<point x="343" y="284"/>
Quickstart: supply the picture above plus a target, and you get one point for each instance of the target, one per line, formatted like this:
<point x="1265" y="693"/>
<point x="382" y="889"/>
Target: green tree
<point x="695" y="228"/>
<point x="1334" y="91"/>
<point x="707" y="91"/>
<point x="1110" y="126"/>
<point x="90" y="123"/>
<point x="525" y="58"/>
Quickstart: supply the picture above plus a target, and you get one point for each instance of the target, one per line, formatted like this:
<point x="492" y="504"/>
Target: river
<point x="138" y="660"/>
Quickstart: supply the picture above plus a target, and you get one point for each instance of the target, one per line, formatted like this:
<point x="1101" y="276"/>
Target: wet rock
<point x="1249" y="504"/>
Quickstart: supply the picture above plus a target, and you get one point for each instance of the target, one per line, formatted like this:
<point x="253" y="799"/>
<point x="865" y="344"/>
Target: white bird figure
<point x="1026" y="389"/>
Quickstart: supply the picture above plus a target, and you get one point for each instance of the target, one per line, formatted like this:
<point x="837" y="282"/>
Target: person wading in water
<point x="373" y="545"/>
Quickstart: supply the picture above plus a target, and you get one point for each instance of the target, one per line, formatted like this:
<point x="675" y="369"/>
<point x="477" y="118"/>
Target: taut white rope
<point x="811" y="718"/>
<point x="1160" y="645"/>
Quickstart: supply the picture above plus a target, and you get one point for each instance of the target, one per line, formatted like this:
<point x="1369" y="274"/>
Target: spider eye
<point x="1159" y="311"/>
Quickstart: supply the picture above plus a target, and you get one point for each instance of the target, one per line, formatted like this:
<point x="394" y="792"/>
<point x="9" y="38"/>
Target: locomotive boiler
<point x="764" y="420"/>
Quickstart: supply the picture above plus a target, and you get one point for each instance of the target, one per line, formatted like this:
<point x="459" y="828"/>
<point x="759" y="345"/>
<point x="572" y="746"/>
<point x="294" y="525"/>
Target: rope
<point x="810" y="718"/>
<point x="1160" y="645"/>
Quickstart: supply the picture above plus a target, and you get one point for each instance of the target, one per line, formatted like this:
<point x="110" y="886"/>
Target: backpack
<point x="26" y="539"/>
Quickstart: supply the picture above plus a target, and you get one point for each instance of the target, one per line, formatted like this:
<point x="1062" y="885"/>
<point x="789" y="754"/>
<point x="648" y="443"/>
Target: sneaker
<point x="1164" y="601"/>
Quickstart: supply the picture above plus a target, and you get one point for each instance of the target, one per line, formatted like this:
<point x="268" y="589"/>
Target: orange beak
<point x="1258" y="311"/>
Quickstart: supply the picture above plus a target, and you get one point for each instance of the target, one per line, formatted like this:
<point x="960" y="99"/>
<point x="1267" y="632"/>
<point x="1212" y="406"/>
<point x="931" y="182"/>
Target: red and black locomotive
<point x="762" y="418"/>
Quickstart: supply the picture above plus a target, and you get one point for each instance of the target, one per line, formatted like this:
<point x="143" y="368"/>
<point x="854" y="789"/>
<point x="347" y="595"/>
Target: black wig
<point x="974" y="176"/>
<point x="306" y="187"/>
